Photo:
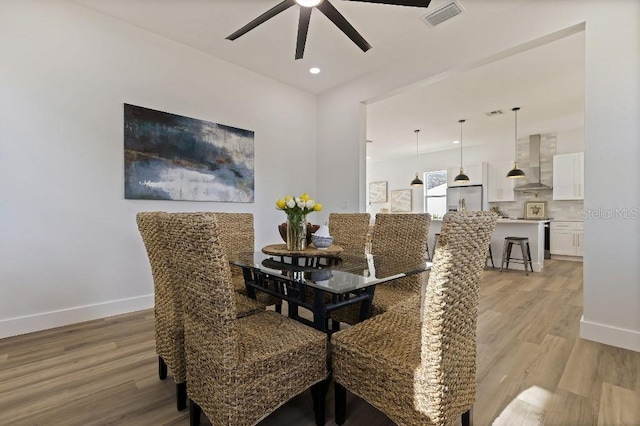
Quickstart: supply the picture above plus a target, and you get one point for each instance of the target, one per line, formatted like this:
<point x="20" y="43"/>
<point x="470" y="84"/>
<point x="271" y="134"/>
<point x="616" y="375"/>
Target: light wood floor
<point x="532" y="367"/>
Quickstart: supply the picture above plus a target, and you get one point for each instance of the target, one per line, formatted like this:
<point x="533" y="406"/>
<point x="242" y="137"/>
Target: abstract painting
<point x="401" y="200"/>
<point x="378" y="192"/>
<point x="171" y="157"/>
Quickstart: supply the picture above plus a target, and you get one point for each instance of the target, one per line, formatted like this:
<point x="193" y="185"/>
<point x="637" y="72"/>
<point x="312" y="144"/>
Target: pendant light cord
<point x="461" y="121"/>
<point x="515" y="137"/>
<point x="417" y="131"/>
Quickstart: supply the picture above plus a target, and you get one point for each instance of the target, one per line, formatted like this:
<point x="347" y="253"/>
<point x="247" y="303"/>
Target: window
<point x="435" y="199"/>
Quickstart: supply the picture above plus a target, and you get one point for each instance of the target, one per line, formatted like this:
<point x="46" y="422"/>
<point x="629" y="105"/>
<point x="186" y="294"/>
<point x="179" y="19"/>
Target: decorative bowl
<point x="322" y="276"/>
<point x="282" y="228"/>
<point x="321" y="242"/>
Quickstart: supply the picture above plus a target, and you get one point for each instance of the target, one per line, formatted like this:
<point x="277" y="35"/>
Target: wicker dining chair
<point x="237" y="235"/>
<point x="419" y="366"/>
<point x="349" y="231"/>
<point x="169" y="328"/>
<point x="239" y="370"/>
<point x="394" y="235"/>
<point x="168" y="310"/>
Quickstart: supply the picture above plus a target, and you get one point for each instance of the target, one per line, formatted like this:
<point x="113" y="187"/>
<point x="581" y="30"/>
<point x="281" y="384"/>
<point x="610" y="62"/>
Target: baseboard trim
<point x="46" y="320"/>
<point x="537" y="267"/>
<point x="569" y="258"/>
<point x="609" y="335"/>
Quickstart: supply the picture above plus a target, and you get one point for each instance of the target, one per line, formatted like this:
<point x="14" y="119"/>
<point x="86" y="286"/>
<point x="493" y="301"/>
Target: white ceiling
<point x="269" y="49"/>
<point x="547" y="82"/>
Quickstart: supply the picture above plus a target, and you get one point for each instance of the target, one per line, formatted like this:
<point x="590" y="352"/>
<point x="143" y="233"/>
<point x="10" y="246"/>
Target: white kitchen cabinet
<point x="579" y="245"/>
<point x="568" y="176"/>
<point x="499" y="187"/>
<point x="476" y="173"/>
<point x="566" y="238"/>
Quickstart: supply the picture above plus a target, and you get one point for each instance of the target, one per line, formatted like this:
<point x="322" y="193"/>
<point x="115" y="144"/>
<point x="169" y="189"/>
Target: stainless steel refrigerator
<point x="472" y="196"/>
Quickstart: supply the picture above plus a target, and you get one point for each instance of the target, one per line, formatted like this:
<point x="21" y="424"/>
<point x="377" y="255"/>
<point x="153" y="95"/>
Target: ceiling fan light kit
<point x="329" y="11"/>
<point x="308" y="3"/>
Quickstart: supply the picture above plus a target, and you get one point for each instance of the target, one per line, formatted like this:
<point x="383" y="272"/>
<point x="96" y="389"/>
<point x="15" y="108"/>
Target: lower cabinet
<point x="566" y="238"/>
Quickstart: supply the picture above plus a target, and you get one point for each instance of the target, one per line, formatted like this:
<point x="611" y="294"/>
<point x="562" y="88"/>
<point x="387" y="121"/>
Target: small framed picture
<point x="378" y="192"/>
<point x="535" y="209"/>
<point x="401" y="200"/>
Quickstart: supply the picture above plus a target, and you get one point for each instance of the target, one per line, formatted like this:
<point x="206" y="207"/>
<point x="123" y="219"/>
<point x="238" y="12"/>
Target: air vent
<point x="494" y="113"/>
<point x="444" y="13"/>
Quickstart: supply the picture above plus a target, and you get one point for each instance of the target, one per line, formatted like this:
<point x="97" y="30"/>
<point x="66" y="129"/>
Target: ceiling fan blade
<point x="303" y="29"/>
<point x="281" y="7"/>
<point x="344" y="25"/>
<point x="416" y="3"/>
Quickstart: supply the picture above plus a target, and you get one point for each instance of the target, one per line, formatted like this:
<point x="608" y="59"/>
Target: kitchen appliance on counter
<point x="469" y="196"/>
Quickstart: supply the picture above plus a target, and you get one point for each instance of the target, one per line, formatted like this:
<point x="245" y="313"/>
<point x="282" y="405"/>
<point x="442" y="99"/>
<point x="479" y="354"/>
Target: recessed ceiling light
<point x="456" y="141"/>
<point x="368" y="158"/>
<point x="314" y="70"/>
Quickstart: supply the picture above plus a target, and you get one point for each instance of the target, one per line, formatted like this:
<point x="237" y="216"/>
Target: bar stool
<point x="489" y="258"/>
<point x="523" y="242"/>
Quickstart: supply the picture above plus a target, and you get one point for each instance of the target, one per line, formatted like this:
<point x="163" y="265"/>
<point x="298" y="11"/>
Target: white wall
<point x="612" y="105"/>
<point x="568" y="141"/>
<point x="69" y="246"/>
<point x="612" y="151"/>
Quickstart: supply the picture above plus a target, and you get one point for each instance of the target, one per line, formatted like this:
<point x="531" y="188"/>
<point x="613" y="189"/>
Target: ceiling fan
<point x="324" y="6"/>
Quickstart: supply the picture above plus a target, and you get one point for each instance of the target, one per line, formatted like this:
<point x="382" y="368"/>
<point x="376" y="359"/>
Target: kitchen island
<point x="532" y="229"/>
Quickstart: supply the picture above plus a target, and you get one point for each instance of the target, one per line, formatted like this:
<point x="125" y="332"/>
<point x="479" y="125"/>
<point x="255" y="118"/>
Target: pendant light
<point x="461" y="178"/>
<point x="416" y="181"/>
<point x="515" y="173"/>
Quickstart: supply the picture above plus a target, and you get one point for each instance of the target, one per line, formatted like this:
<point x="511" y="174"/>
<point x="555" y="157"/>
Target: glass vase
<point x="296" y="233"/>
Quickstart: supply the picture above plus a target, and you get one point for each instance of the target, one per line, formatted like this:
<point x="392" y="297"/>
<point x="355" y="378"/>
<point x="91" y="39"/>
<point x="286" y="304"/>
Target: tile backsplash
<point x="557" y="210"/>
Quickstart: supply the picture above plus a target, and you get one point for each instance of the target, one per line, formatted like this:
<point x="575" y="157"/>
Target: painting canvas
<point x="171" y="157"/>
<point x="378" y="192"/>
<point x="535" y="210"/>
<point x="401" y="200"/>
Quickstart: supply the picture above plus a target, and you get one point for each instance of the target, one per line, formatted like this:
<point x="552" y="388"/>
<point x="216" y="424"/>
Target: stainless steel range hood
<point x="533" y="175"/>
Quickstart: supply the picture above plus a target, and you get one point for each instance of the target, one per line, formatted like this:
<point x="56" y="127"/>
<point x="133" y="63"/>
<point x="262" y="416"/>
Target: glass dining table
<point x="327" y="285"/>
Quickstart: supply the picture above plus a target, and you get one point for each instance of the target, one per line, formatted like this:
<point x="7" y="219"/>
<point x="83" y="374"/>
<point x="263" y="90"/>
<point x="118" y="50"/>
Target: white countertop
<point x="525" y="221"/>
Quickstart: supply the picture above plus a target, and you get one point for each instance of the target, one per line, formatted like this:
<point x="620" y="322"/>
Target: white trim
<point x="43" y="321"/>
<point x="537" y="267"/>
<point x="569" y="258"/>
<point x="609" y="335"/>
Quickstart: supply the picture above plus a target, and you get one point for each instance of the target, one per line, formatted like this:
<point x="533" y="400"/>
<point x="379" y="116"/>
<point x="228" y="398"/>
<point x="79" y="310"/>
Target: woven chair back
<point x="237" y="236"/>
<point x="237" y="232"/>
<point x="402" y="236"/>
<point x="169" y="327"/>
<point x="448" y="349"/>
<point x="349" y="231"/>
<point x="208" y="296"/>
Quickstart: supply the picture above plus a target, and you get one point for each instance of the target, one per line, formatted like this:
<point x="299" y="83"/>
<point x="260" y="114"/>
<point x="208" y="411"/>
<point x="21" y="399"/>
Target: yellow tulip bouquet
<point x="297" y="209"/>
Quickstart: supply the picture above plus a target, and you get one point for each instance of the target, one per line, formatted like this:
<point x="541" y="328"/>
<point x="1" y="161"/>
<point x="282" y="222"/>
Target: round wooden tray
<point x="310" y="251"/>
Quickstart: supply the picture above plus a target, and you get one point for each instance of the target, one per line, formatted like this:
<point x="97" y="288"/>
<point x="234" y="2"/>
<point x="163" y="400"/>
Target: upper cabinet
<point x="568" y="176"/>
<point x="476" y="173"/>
<point x="500" y="188"/>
